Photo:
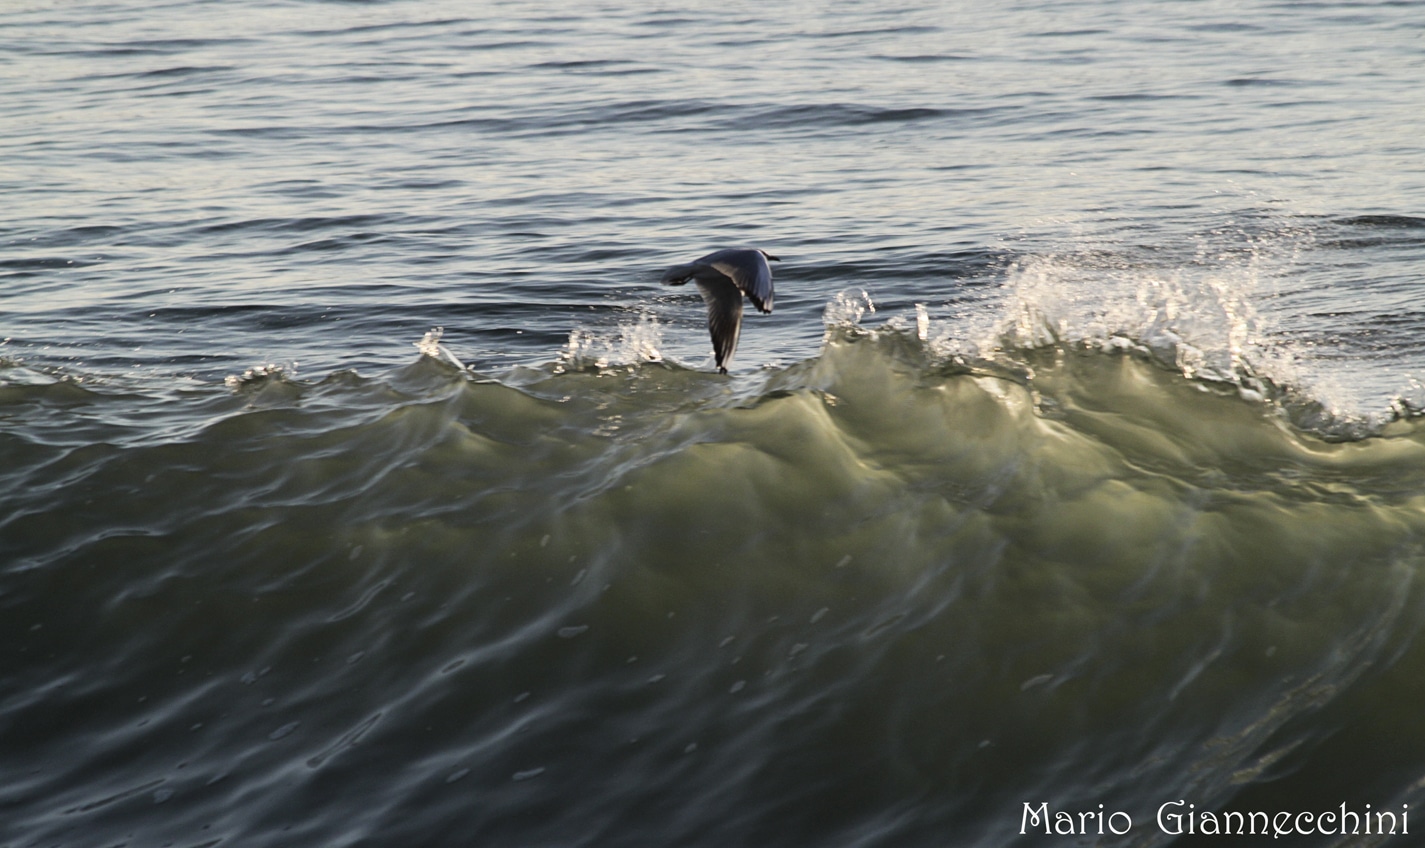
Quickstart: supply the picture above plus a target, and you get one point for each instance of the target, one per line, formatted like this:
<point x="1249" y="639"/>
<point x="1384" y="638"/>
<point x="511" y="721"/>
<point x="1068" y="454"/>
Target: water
<point x="363" y="487"/>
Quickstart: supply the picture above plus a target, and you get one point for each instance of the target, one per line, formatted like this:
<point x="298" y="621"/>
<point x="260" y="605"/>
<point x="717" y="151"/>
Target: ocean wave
<point x="839" y="554"/>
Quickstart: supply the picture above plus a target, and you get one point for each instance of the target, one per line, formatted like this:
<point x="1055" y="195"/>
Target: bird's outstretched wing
<point x="680" y="274"/>
<point x="748" y="270"/>
<point x="724" y="302"/>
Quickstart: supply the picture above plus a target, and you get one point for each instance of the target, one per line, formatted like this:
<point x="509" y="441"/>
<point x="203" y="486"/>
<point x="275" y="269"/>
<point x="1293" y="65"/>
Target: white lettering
<point x="1380" y="823"/>
<point x="1355" y="821"/>
<point x="1176" y="818"/>
<point x="1084" y="828"/>
<point x="1208" y="818"/>
<point x="1031" y="817"/>
<point x="1252" y="821"/>
<point x="1321" y="821"/>
<point x="1127" y="822"/>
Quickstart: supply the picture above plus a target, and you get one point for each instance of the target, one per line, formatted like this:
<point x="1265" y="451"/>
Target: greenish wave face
<point x="713" y="609"/>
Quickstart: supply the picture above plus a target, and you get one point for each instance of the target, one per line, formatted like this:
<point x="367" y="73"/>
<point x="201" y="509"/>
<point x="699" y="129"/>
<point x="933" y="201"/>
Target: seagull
<point x="724" y="277"/>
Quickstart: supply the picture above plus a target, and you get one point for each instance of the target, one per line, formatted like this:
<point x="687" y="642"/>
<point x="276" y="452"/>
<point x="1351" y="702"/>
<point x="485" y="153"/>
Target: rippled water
<point x="1079" y="463"/>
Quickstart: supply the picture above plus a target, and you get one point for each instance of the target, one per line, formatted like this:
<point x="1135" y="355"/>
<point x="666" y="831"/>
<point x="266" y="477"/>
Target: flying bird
<point x="724" y="277"/>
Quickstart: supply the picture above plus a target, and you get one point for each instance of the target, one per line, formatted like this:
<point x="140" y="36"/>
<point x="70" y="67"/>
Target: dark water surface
<point x="359" y="485"/>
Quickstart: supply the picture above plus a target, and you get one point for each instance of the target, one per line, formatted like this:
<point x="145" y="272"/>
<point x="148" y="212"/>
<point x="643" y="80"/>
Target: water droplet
<point x="820" y="614"/>
<point x="737" y="687"/>
<point x="457" y="775"/>
<point x="528" y="773"/>
<point x="571" y="632"/>
<point x="283" y="731"/>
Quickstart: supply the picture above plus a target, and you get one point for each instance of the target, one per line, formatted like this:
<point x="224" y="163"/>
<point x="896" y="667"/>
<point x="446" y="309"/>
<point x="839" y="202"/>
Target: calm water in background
<point x="1078" y="463"/>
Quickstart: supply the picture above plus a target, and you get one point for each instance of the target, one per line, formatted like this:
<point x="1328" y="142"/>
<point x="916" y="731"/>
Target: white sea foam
<point x="847" y="308"/>
<point x="1209" y="314"/>
<point x="260" y="374"/>
<point x="625" y="344"/>
<point x="430" y="345"/>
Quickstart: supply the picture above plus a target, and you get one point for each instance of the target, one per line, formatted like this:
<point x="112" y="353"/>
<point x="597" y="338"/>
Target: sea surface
<point x="361" y="486"/>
